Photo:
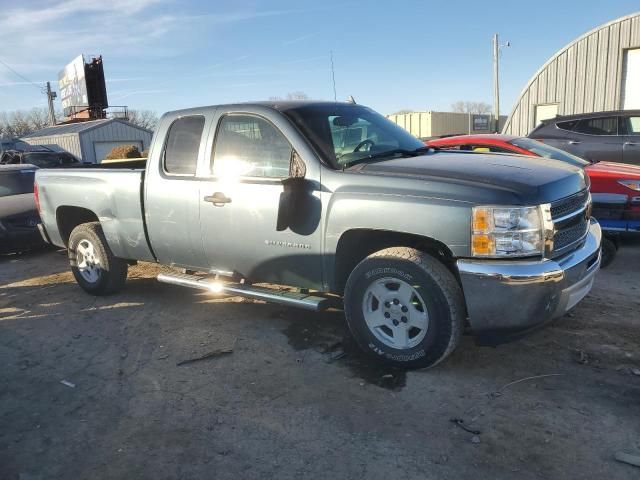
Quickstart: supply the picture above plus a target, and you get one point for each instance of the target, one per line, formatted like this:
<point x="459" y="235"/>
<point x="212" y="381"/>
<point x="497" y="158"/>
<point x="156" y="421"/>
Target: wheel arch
<point x="356" y="244"/>
<point x="69" y="217"/>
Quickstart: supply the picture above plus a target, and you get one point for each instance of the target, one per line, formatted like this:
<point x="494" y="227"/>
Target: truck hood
<point x="533" y="180"/>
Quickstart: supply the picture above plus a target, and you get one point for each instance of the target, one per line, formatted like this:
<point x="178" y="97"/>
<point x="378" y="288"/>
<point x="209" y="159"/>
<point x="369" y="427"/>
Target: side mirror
<point x="297" y="168"/>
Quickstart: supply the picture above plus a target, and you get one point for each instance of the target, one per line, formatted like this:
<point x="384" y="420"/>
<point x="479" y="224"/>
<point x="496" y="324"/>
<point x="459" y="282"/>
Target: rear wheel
<point x="404" y="307"/>
<point x="93" y="265"/>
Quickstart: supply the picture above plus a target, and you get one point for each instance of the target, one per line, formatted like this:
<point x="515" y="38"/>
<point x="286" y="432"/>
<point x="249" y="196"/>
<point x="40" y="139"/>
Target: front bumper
<point x="508" y="298"/>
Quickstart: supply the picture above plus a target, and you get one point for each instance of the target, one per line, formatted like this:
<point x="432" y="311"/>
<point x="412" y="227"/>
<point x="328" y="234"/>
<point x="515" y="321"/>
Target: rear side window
<point x="16" y="182"/>
<point x="567" y="125"/>
<point x="183" y="143"/>
<point x="598" y="126"/>
<point x="250" y="146"/>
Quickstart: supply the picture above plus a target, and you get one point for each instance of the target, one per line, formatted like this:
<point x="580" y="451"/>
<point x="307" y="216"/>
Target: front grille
<point x="569" y="205"/>
<point x="569" y="235"/>
<point x="571" y="222"/>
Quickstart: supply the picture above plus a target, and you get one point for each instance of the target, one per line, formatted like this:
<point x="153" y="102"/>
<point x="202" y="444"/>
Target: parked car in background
<point x="603" y="136"/>
<point x="12" y="144"/>
<point x="18" y="215"/>
<point x="39" y="158"/>
<point x="615" y="187"/>
<point x="333" y="199"/>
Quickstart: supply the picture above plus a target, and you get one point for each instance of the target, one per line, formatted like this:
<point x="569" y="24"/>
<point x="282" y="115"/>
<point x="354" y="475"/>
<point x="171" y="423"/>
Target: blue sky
<point x="164" y="54"/>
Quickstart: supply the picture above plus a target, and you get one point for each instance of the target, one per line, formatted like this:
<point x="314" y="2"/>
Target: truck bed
<point x="114" y="196"/>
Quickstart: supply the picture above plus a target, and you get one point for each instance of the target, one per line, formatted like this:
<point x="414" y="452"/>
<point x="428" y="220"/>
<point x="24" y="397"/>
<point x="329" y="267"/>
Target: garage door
<point x="543" y="112"/>
<point x="630" y="98"/>
<point x="103" y="149"/>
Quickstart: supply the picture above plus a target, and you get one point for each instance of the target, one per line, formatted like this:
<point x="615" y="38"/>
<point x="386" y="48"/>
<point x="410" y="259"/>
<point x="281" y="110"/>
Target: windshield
<point x="16" y="182"/>
<point x="46" y="159"/>
<point x="547" y="151"/>
<point x="348" y="134"/>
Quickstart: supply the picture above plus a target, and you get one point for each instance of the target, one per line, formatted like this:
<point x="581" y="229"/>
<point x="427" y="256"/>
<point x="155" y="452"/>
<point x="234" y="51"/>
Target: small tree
<point x="123" y="151"/>
<point x="462" y="106"/>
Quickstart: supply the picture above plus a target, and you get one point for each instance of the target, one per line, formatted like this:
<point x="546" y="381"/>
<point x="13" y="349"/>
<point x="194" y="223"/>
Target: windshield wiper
<point x="382" y="155"/>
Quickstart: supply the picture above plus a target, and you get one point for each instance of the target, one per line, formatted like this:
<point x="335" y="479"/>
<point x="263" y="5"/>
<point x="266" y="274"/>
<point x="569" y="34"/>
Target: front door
<point x="271" y="225"/>
<point x="631" y="146"/>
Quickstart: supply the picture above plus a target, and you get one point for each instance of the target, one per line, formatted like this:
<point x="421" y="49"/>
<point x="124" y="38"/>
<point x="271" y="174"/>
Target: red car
<point x="615" y="187"/>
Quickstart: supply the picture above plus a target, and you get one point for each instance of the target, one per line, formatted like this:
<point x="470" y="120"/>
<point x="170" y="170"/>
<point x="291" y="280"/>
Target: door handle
<point x="218" y="199"/>
<point x="631" y="143"/>
<point x="574" y="142"/>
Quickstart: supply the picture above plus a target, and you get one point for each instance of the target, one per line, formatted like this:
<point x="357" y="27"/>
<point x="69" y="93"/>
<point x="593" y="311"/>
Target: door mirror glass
<point x="297" y="168"/>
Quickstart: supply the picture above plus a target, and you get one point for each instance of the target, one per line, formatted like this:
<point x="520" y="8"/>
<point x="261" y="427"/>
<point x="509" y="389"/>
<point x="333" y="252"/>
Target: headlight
<point x="632" y="184"/>
<point x="507" y="232"/>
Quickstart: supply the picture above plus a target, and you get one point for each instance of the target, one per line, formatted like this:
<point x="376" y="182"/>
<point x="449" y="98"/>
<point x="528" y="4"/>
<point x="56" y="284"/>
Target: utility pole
<point x="50" y="96"/>
<point x="496" y="83"/>
<point x="496" y="80"/>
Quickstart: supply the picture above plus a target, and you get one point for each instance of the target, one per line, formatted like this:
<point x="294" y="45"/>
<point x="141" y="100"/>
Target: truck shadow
<point x="327" y="334"/>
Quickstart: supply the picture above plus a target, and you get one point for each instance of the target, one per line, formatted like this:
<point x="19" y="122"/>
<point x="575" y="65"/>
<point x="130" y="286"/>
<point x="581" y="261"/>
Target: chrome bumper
<point x="515" y="296"/>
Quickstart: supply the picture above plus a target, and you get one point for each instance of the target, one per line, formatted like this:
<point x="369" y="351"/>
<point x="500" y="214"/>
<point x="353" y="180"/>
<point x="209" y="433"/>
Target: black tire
<point x="111" y="270"/>
<point x="437" y="288"/>
<point x="609" y="251"/>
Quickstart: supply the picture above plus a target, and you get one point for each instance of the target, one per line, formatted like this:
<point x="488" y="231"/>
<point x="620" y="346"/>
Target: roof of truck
<point x="280" y="105"/>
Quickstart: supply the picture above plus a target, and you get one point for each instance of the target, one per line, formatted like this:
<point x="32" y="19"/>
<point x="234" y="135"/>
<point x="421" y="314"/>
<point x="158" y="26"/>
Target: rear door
<point x="596" y="139"/>
<point x="631" y="146"/>
<point x="172" y="193"/>
<point x="246" y="197"/>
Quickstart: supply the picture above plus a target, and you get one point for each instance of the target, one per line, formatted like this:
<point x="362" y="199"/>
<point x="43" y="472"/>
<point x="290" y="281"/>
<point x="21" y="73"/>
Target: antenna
<point x="333" y="77"/>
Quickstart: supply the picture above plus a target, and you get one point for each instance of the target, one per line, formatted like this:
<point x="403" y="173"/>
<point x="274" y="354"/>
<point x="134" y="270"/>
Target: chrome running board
<point x="294" y="299"/>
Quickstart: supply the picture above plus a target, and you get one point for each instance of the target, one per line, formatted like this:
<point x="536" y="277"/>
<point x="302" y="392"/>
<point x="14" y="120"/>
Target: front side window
<point x="633" y="125"/>
<point x="349" y="134"/>
<point x="247" y="145"/>
<point x="598" y="126"/>
<point x="183" y="143"/>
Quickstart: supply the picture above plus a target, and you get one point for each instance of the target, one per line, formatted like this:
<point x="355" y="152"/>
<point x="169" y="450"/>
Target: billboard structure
<point x="83" y="91"/>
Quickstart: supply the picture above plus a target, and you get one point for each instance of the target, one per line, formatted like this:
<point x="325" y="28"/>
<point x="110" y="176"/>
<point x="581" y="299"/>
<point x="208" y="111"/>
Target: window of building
<point x="183" y="143"/>
<point x="250" y="146"/>
<point x="543" y="112"/>
<point x="598" y="126"/>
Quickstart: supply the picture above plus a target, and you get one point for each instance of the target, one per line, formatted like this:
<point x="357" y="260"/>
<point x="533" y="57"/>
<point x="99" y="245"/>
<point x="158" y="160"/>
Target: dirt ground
<point x="294" y="399"/>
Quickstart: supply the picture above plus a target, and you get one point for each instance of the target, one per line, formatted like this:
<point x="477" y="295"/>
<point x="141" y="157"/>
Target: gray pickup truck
<point x="332" y="200"/>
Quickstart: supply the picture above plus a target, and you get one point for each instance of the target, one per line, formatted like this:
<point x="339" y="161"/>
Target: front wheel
<point x="609" y="251"/>
<point x="96" y="269"/>
<point x="404" y="307"/>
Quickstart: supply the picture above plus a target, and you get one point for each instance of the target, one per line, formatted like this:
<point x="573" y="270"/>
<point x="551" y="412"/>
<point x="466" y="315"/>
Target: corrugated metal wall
<point x="585" y="76"/>
<point x="69" y="143"/>
<point x="111" y="132"/>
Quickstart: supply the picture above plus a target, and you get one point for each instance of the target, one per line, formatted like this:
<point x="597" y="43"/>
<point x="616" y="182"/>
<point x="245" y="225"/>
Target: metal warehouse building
<point x="599" y="71"/>
<point x="92" y="141"/>
<point x="430" y="124"/>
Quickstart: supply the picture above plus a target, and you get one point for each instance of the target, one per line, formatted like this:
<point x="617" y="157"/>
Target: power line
<point x="39" y="87"/>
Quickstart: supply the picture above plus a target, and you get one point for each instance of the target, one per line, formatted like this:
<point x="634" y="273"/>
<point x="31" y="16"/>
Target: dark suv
<point x="607" y="136"/>
<point x="18" y="215"/>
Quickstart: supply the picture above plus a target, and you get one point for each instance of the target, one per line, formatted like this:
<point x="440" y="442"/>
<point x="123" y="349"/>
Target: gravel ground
<point x="294" y="399"/>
